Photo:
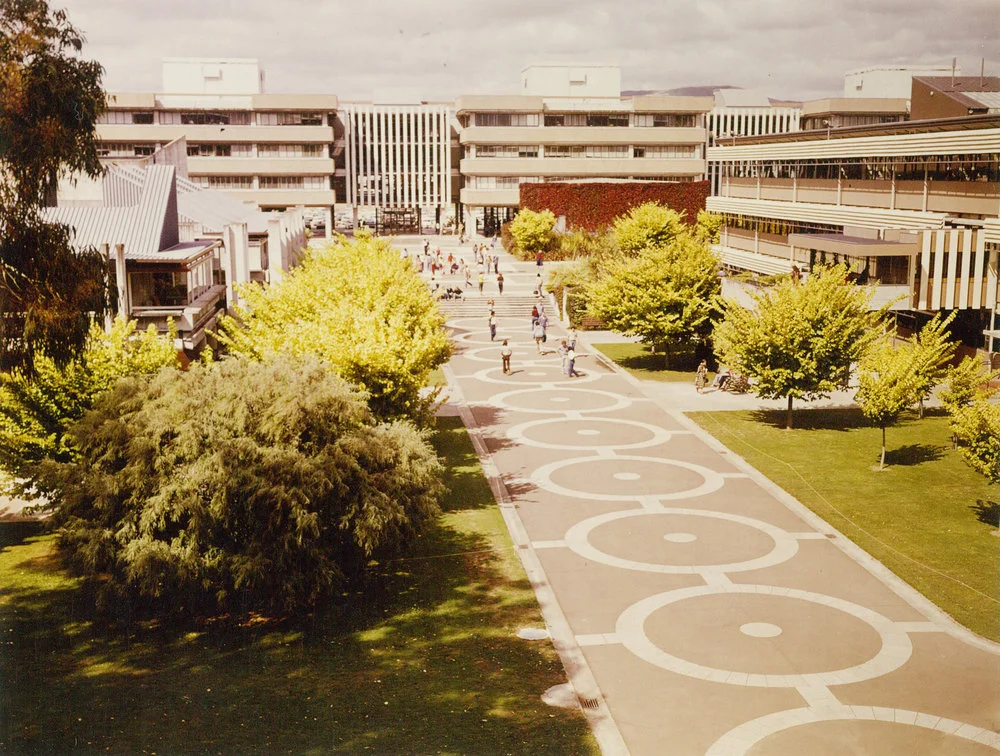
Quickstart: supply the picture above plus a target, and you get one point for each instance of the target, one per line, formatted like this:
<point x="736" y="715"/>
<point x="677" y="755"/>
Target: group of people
<point x="539" y="326"/>
<point x="721" y="378"/>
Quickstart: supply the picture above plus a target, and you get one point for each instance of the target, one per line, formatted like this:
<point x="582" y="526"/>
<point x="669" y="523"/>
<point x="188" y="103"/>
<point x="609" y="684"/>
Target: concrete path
<point x="698" y="608"/>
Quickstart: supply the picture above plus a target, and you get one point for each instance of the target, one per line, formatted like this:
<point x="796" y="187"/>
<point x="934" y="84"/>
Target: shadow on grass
<point x="987" y="512"/>
<point x="14" y="533"/>
<point x="424" y="660"/>
<point x="838" y="418"/>
<point x="913" y="454"/>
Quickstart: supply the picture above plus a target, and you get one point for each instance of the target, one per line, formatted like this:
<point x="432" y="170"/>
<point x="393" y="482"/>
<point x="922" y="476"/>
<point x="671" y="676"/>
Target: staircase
<point x="506" y="306"/>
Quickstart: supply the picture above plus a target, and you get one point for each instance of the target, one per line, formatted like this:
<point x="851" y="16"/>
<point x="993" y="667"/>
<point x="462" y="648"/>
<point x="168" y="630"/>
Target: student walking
<point x="571" y="364"/>
<point x="482" y="280"/>
<point x="538" y="333"/>
<point x="493" y="326"/>
<point x="500" y="282"/>
<point x="564" y="357"/>
<point x="701" y="376"/>
<point x="505" y="352"/>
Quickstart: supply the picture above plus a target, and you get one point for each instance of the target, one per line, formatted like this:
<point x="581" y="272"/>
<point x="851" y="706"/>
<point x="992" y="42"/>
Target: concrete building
<point x="572" y="123"/>
<point x="954" y="96"/>
<point x="276" y="151"/>
<point x="913" y="207"/>
<point x="894" y="82"/>
<point x="837" y="112"/>
<point x="399" y="161"/>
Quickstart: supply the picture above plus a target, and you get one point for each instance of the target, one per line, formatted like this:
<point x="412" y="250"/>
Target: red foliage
<point x="593" y="206"/>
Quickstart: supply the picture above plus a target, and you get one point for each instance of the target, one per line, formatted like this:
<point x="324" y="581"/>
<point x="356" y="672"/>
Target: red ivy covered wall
<point x="593" y="206"/>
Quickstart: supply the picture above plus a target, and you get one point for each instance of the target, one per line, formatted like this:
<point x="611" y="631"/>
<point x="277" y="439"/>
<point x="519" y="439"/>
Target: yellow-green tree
<point x="37" y="408"/>
<point x="889" y="381"/>
<point x="646" y="226"/>
<point x="532" y="231"/>
<point x="360" y="308"/>
<point x="665" y="294"/>
<point x="798" y="341"/>
<point x="975" y="420"/>
<point x="933" y="351"/>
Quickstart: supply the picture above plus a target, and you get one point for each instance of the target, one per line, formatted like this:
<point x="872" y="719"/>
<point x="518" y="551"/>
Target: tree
<point x="708" y="227"/>
<point x="37" y="410"/>
<point x="932" y="354"/>
<point x="664" y="294"/>
<point x="889" y="381"/>
<point x="799" y="341"/>
<point x="646" y="226"/>
<point x="977" y="426"/>
<point x="239" y="486"/>
<point x="360" y="308"/>
<point x="965" y="383"/>
<point x="49" y="104"/>
<point x="532" y="231"/>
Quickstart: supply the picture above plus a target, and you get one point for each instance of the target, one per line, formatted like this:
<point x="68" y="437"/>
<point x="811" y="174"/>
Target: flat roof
<point x="854" y="246"/>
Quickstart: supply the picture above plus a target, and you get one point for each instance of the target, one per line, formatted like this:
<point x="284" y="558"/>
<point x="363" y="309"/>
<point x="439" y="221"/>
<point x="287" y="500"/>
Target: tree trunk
<point x="666" y="356"/>
<point x="881" y="463"/>
<point x="920" y="405"/>
<point x="788" y="417"/>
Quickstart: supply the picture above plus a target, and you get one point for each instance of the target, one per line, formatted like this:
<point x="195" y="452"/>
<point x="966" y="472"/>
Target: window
<point x="146" y="117"/>
<point x="607" y="119"/>
<point x="565" y="119"/>
<point x="294" y="182"/>
<point x="564" y="150"/>
<point x="123" y="150"/>
<point x="607" y="151"/>
<point x="506" y="119"/>
<point x="674" y="120"/>
<point x="159" y="289"/>
<point x="125" y="117"/>
<point x="661" y="151"/>
<point x="290" y="150"/>
<point x="206" y="118"/>
<point x="494" y="182"/>
<point x="224" y="182"/>
<point x="289" y="119"/>
<point x="507" y="150"/>
<point x="209" y="150"/>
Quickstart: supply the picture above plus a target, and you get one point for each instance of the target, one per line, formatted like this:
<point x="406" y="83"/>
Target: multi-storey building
<point x="275" y="150"/>
<point x="398" y="159"/>
<point x="572" y="123"/>
<point x="913" y="206"/>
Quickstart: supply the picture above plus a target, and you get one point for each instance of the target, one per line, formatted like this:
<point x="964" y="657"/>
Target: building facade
<point x="572" y="123"/>
<point x="913" y="207"/>
<point x="274" y="150"/>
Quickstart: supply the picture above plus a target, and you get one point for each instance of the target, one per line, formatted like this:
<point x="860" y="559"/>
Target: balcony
<point x="589" y="167"/>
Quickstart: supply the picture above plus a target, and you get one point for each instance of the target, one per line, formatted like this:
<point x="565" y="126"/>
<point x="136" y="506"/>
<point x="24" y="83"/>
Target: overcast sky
<point x="792" y="49"/>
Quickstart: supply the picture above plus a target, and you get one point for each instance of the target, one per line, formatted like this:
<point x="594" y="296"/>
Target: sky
<point x="440" y="49"/>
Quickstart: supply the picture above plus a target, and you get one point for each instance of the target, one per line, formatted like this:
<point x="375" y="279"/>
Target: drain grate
<point x="591" y="704"/>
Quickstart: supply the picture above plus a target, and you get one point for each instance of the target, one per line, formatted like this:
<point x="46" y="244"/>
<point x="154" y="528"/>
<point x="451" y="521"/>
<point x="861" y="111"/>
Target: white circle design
<point x="742" y="739"/>
<point x="577" y="539"/>
<point x="760" y="630"/>
<point x="554" y="379"/>
<point x="713" y="481"/>
<point x="626" y="476"/>
<point x="894" y="653"/>
<point x="536" y="374"/>
<point x="680" y="537"/>
<point x="614" y="401"/>
<point x="658" y="435"/>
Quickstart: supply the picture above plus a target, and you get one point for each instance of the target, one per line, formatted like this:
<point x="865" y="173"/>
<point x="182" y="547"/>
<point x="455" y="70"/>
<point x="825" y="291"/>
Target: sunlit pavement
<point x="698" y="608"/>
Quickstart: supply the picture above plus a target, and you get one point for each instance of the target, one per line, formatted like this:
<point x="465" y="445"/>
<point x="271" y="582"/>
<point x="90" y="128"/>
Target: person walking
<point x="534" y="317"/>
<point x="538" y="259"/>
<point x="496" y="264"/>
<point x="538" y="285"/>
<point x="505" y="353"/>
<point x="701" y="376"/>
<point x="468" y="276"/>
<point x="571" y="341"/>
<point x="500" y="282"/>
<point x="538" y="333"/>
<point x="493" y="325"/>
<point x="571" y="364"/>
<point x="564" y="357"/>
<point x="482" y="280"/>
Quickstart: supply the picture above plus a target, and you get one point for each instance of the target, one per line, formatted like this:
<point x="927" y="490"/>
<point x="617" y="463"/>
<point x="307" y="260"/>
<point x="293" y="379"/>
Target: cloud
<point x="445" y="48"/>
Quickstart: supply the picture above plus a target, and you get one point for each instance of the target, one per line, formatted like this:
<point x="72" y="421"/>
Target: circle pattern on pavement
<point x="588" y="433"/>
<point x="551" y="400"/>
<point x="893" y="650"/>
<point x="598" y="478"/>
<point x="537" y="374"/>
<point x="757" y="543"/>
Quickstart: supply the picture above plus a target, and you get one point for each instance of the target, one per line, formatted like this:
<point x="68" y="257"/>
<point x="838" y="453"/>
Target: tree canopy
<point x="50" y="100"/>
<point x="800" y="339"/>
<point x="238" y="486"/>
<point x="646" y="226"/>
<point x="361" y="309"/>
<point x="664" y="294"/>
<point x="532" y="231"/>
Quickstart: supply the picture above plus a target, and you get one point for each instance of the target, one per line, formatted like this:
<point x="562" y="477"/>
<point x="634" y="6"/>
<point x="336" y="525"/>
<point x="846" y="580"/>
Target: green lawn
<point x="646" y="366"/>
<point x="426" y="662"/>
<point x="927" y="517"/>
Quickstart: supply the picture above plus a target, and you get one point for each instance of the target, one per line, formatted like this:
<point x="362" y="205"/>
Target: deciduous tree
<point x="799" y="341"/>
<point x="933" y="351"/>
<point x="889" y="381"/>
<point x="532" y="231"/>
<point x="50" y="100"/>
<point x="646" y="226"/>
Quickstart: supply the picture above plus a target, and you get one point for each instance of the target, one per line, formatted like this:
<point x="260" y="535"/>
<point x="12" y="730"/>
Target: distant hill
<point x="702" y="91"/>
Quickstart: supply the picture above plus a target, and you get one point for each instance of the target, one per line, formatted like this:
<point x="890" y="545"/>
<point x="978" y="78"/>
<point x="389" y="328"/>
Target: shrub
<point x="240" y="486"/>
<point x="646" y="226"/>
<point x="532" y="232"/>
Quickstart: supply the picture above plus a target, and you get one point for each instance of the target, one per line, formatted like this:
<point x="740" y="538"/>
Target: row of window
<point x="979" y="168"/>
<point x="263" y="182"/>
<point x="130" y="149"/>
<point x="584" y="151"/>
<point x="512" y="182"/>
<point x="210" y="118"/>
<point x="673" y="120"/>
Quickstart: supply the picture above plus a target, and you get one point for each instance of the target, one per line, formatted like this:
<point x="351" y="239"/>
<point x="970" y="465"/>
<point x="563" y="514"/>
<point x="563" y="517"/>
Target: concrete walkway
<point x="699" y="609"/>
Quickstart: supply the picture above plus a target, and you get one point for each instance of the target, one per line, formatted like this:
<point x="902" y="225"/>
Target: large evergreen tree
<point x="50" y="100"/>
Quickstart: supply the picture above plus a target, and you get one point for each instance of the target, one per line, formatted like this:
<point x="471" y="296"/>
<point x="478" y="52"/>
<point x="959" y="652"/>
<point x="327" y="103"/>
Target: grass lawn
<point x="425" y="662"/>
<point x="927" y="517"/>
<point x="646" y="366"/>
